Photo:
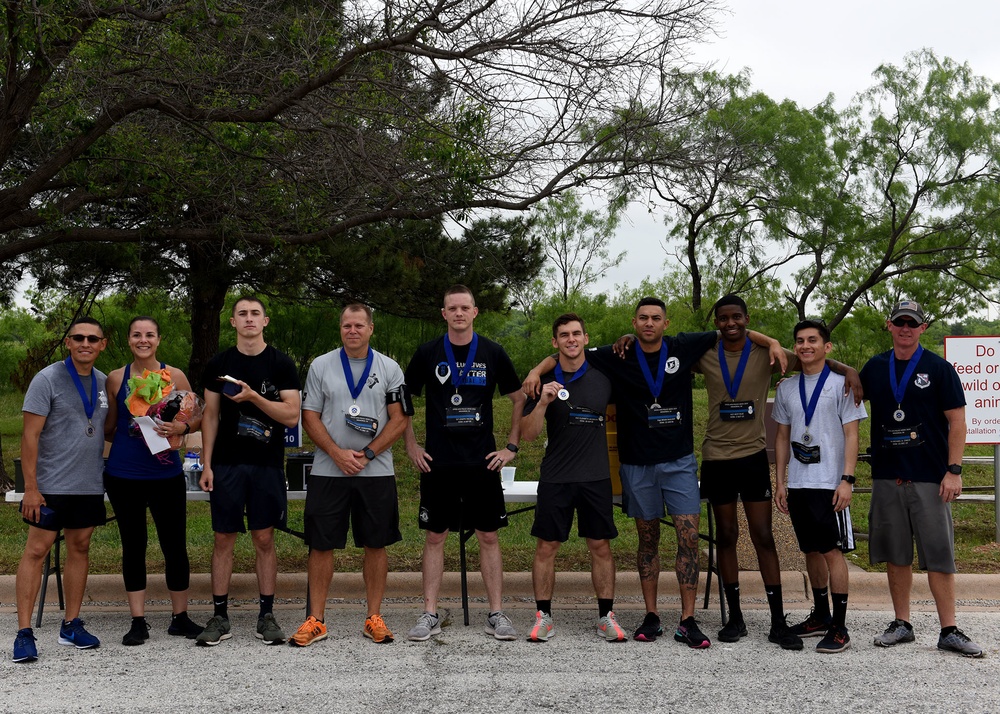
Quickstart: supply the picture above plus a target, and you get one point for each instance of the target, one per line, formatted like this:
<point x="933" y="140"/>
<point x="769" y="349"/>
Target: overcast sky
<point x="803" y="50"/>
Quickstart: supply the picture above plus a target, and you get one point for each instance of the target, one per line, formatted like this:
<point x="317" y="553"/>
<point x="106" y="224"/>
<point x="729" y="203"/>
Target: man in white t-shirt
<point x="817" y="444"/>
<point x="352" y="409"/>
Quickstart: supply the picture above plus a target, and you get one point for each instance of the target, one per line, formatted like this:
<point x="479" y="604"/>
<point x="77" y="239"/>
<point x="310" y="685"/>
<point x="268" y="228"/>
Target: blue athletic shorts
<point x="648" y="488"/>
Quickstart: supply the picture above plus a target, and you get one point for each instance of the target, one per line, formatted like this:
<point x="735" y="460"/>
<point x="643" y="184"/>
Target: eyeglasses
<point x="906" y="322"/>
<point x="92" y="339"/>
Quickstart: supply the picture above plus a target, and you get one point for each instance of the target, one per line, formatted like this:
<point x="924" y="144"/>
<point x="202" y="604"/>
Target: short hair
<point x="730" y="299"/>
<point x="87" y="320"/>
<point x="144" y="318"/>
<point x="565" y="319"/>
<point x="651" y="301"/>
<point x="459" y="289"/>
<point x="358" y="307"/>
<point x="250" y="298"/>
<point x="817" y="325"/>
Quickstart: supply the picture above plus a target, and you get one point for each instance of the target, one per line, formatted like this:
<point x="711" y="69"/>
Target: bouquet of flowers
<point x="180" y="405"/>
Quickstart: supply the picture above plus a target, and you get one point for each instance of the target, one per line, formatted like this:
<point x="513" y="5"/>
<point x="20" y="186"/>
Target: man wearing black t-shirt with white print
<point x="251" y="393"/>
<point x="460" y="468"/>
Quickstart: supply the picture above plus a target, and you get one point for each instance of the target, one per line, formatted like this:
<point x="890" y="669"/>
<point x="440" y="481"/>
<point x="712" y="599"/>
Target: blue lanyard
<point x="733" y="385"/>
<point x="346" y="362"/>
<point x="88" y="405"/>
<point x="810" y="408"/>
<point x="899" y="388"/>
<point x="576" y="375"/>
<point x="458" y="378"/>
<point x="655" y="386"/>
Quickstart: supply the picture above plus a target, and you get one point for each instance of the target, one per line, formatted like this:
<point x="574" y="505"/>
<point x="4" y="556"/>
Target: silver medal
<point x="654" y="405"/>
<point x="806" y="438"/>
<point x="899" y="415"/>
<point x="91" y="430"/>
<point x="355" y="410"/>
<point x="563" y="394"/>
<point x="456" y="399"/>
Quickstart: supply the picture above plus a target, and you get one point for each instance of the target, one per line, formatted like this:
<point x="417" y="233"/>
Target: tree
<point x="319" y="117"/>
<point x="576" y="242"/>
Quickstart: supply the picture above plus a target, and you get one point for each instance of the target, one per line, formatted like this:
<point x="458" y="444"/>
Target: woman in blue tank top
<point x="137" y="480"/>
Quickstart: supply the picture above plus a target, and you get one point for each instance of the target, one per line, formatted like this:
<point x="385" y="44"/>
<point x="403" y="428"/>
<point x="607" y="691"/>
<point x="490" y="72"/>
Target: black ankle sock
<point x="774" y="603"/>
<point x="839" y="609"/>
<point x="605" y="605"/>
<point x="732" y="591"/>
<point x="821" y="603"/>
<point x="544" y="605"/>
<point x="945" y="631"/>
<point x="266" y="604"/>
<point x="221" y="605"/>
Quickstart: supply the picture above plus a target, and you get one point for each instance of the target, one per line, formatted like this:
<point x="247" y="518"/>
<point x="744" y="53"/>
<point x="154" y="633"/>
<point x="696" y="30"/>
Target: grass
<point x="976" y="551"/>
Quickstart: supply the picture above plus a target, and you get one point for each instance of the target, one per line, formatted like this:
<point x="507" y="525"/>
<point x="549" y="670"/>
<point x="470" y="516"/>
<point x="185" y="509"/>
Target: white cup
<point x="507" y="474"/>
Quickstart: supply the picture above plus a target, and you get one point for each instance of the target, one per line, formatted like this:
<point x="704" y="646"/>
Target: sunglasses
<point x="92" y="339"/>
<point x="906" y="322"/>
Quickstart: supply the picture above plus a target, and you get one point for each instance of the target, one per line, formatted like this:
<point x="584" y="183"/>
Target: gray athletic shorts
<point x="646" y="489"/>
<point x="906" y="511"/>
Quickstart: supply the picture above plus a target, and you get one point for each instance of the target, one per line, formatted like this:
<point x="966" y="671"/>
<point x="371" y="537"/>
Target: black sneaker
<point x="813" y="626"/>
<point x="138" y="634"/>
<point x="650" y="628"/>
<point x="687" y="632"/>
<point x="836" y="640"/>
<point x="183" y="626"/>
<point x="781" y="634"/>
<point x="733" y="631"/>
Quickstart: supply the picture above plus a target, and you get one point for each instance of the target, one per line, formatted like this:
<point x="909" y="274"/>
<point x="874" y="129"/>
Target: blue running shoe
<point x="72" y="633"/>
<point x="24" y="646"/>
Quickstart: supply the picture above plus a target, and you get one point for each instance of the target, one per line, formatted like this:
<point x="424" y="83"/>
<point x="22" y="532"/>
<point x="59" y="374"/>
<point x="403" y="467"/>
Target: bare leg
<point x="178" y="601"/>
<point x="543" y="570"/>
<point x="77" y="567"/>
<point x="267" y="560"/>
<point x="222" y="562"/>
<point x="943" y="588"/>
<point x="432" y="568"/>
<point x="837" y="565"/>
<point x="491" y="567"/>
<point x="29" y="573"/>
<point x="727" y="533"/>
<point x="900" y="585"/>
<point x="819" y="571"/>
<point x="136" y="602"/>
<point x="648" y="560"/>
<point x="602" y="568"/>
<point x="686" y="564"/>
<point x="759" y="520"/>
<point x="376" y="572"/>
<point x="320" y="575"/>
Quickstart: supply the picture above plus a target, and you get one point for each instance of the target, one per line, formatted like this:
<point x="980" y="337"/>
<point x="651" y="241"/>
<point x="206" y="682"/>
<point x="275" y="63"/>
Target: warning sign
<point x="977" y="361"/>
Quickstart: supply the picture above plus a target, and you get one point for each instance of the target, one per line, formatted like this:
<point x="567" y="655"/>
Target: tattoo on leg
<point x="687" y="550"/>
<point x="648" y="555"/>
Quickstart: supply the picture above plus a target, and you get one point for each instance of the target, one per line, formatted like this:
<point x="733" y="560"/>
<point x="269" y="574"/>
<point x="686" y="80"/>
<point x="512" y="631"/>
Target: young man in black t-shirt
<point x="460" y="468"/>
<point x="251" y="394"/>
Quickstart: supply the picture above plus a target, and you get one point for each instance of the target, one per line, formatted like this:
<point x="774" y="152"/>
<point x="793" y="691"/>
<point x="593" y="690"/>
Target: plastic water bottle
<point x="192" y="471"/>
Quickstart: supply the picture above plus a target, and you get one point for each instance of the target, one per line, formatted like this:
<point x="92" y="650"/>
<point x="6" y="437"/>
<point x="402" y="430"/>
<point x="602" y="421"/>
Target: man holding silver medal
<point x="353" y="410"/>
<point x="817" y="445"/>
<point x="62" y="459"/>
<point x="574" y="477"/>
<point x="918" y="439"/>
<point x="460" y="468"/>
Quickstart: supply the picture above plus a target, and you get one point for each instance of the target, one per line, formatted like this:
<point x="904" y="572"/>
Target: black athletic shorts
<point x="469" y="496"/>
<point x="592" y="501"/>
<point x="73" y="512"/>
<point x="257" y="491"/>
<point x="747" y="478"/>
<point x="814" y="520"/>
<point x="368" y="504"/>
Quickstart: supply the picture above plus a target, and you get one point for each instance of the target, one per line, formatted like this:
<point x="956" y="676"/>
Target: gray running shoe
<point x="897" y="632"/>
<point x="427" y="625"/>
<point x="957" y="641"/>
<point x="216" y="630"/>
<point x="543" y="629"/>
<point x="268" y="630"/>
<point x="500" y="626"/>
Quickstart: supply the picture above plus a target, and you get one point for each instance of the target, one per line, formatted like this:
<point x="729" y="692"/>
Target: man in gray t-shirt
<point x="61" y="457"/>
<point x="352" y="409"/>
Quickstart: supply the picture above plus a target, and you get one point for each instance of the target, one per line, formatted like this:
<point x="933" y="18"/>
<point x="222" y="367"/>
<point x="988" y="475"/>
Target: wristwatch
<point x="369" y="454"/>
<point x="512" y="448"/>
<point x="849" y="478"/>
<point x="955" y="469"/>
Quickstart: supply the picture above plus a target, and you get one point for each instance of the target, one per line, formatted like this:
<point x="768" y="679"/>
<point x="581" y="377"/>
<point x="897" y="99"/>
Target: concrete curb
<point x="868" y="590"/>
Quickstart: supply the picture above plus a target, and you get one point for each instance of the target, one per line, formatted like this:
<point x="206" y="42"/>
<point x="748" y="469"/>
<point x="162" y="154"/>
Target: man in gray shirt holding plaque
<point x="352" y="409"/>
<point x="62" y="458"/>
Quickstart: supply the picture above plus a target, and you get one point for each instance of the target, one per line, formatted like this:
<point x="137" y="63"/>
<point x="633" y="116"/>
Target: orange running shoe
<point x="376" y="630"/>
<point x="312" y="630"/>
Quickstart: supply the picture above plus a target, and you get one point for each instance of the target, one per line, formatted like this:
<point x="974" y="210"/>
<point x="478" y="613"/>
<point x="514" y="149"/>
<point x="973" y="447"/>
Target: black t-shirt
<point x="246" y="434"/>
<point x="915" y="447"/>
<point x="638" y="444"/>
<point x="577" y="449"/>
<point x="469" y="438"/>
